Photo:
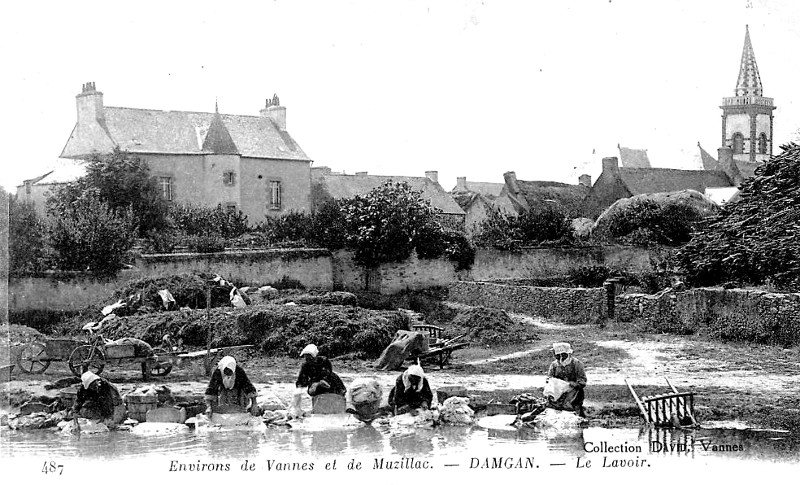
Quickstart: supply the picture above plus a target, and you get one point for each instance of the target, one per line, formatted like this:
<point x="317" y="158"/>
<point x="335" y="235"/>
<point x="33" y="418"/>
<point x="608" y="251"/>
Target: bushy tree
<point x="328" y="226"/>
<point x="757" y="237"/>
<point x="27" y="250"/>
<point x="502" y="230"/>
<point x="648" y="222"/>
<point x="88" y="235"/>
<point x="384" y="225"/>
<point x="123" y="182"/>
<point x="194" y="220"/>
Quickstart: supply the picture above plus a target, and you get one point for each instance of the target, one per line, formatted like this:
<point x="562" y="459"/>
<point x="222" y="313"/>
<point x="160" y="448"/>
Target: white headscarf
<point x="227" y="362"/>
<point x="414" y="370"/>
<point x="87" y="378"/>
<point x="309" y="349"/>
<point x="563" y="348"/>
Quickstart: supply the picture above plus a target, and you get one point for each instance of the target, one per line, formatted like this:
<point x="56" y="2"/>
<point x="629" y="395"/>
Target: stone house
<point x="617" y="182"/>
<point x="530" y="194"/>
<point x="327" y="185"/>
<point x="478" y="199"/>
<point x="247" y="163"/>
<point x="36" y="191"/>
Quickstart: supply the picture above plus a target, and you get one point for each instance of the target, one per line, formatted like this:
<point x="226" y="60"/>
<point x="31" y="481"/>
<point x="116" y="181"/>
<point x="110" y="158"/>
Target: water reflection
<point x="366" y="439"/>
<point x="450" y="442"/>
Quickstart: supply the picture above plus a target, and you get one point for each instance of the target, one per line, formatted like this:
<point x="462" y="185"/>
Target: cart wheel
<point x="32" y="359"/>
<point x="84" y="358"/>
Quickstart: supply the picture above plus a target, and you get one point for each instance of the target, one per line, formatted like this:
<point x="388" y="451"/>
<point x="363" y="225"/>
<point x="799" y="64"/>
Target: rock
<point x="31" y="407"/>
<point x="445" y="392"/>
<point x="166" y="415"/>
<point x="328" y="403"/>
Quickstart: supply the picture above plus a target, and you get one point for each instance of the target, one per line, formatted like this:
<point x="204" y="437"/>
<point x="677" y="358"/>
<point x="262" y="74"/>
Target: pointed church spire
<point x="749" y="82"/>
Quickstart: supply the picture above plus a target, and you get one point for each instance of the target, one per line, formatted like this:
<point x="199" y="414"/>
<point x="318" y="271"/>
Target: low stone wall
<point x="569" y="305"/>
<point x="67" y="292"/>
<point x="538" y="263"/>
<point x="312" y="268"/>
<point x="391" y="278"/>
<point x="749" y="315"/>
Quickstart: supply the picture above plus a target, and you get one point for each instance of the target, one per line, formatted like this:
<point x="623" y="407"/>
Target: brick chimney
<point x="511" y="182"/>
<point x="461" y="184"/>
<point x="90" y="104"/>
<point x="611" y="165"/>
<point x="433" y="175"/>
<point x="274" y="111"/>
<point x="585" y="180"/>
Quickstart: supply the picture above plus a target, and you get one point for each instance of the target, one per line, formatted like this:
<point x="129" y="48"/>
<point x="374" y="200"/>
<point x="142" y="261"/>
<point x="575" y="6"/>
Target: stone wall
<point x="312" y="268"/>
<point x="390" y="278"/>
<point x="58" y="291"/>
<point x="569" y="305"/>
<point x="754" y="316"/>
<point x="534" y="263"/>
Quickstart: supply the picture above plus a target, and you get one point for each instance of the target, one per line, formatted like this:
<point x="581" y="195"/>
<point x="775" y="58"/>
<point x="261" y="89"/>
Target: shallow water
<point x="443" y="445"/>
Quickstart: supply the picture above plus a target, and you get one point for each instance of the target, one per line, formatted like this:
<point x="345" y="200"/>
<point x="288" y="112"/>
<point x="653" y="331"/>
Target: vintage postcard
<point x="401" y="241"/>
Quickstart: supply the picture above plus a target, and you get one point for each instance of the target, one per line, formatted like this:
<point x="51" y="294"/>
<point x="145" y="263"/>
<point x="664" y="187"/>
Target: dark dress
<point x="240" y="395"/>
<point x="97" y="403"/>
<point x="572" y="400"/>
<point x="320" y="369"/>
<point x="399" y="396"/>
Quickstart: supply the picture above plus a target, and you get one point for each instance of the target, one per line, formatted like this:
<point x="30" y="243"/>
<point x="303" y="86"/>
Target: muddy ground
<point x="752" y="384"/>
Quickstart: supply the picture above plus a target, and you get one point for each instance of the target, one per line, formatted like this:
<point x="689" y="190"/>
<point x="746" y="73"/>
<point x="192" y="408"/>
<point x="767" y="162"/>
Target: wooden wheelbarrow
<point x="440" y="352"/>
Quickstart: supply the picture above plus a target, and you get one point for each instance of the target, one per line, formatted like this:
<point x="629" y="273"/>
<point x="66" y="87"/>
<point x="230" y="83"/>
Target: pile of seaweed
<point x="488" y="326"/>
<point x="275" y="329"/>
<point x="188" y="290"/>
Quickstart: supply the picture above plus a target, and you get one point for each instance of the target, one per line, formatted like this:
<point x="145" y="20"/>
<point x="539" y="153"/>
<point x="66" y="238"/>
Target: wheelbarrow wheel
<point x="83" y="359"/>
<point x="33" y="358"/>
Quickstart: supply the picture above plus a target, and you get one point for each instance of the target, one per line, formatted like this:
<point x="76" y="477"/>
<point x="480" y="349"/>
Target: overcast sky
<point x="468" y="88"/>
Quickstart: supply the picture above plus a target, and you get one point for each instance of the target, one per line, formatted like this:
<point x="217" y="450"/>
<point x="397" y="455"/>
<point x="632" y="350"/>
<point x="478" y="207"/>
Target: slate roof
<point x="340" y="186"/>
<point x="218" y="139"/>
<point x="633" y="157"/>
<point x="709" y="162"/>
<point x="747" y="168"/>
<point x="654" y="180"/>
<point x="492" y="189"/>
<point x="537" y="193"/>
<point x="60" y="172"/>
<point x="184" y="132"/>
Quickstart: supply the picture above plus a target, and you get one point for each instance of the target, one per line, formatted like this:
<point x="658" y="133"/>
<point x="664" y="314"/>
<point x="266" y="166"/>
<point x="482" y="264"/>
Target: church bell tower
<point x="747" y="116"/>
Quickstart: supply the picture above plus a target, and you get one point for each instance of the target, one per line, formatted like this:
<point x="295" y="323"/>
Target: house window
<point x="738" y="143"/>
<point x="275" y="194"/>
<point x="229" y="178"/>
<point x="762" y="144"/>
<point x="231" y="208"/>
<point x="166" y="187"/>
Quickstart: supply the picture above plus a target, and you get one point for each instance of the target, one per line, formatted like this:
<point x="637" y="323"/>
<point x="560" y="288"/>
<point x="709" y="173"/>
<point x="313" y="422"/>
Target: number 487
<point x="52" y="467"/>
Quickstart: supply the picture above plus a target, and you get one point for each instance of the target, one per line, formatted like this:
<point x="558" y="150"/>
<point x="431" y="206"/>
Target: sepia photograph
<point x="353" y="241"/>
